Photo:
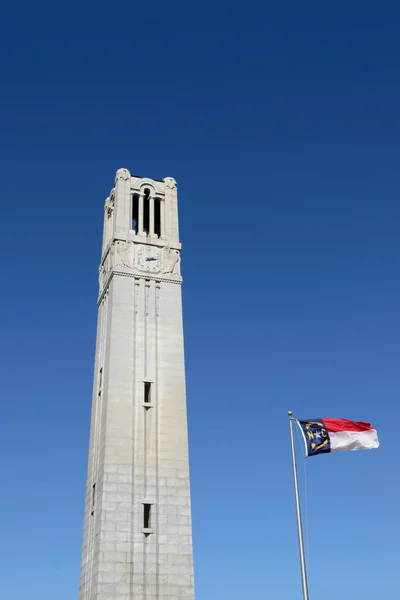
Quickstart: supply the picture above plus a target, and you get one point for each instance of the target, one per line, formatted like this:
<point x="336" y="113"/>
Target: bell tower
<point x="137" y="542"/>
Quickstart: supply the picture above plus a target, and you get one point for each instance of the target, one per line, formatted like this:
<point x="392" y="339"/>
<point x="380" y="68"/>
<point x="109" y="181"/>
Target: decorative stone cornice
<point x="153" y="277"/>
<point x="136" y="276"/>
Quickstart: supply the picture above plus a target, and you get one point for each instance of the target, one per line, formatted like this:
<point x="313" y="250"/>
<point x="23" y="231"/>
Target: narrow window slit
<point x="147" y="392"/>
<point x="147" y="516"/>
<point x="93" y="498"/>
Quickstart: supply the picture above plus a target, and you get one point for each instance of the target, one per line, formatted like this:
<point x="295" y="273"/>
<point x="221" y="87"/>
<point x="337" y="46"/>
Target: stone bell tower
<point x="137" y="542"/>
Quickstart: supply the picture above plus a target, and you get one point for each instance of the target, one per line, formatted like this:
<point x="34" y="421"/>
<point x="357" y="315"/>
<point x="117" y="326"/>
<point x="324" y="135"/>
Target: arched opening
<point x="135" y="212"/>
<point x="157" y="217"/>
<point x="146" y="211"/>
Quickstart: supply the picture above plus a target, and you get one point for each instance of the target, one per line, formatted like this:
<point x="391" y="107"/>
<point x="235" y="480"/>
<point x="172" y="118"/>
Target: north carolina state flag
<point x="331" y="435"/>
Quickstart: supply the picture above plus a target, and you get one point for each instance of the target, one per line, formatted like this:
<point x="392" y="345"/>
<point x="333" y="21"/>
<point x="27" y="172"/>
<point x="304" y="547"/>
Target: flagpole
<point x="298" y="513"/>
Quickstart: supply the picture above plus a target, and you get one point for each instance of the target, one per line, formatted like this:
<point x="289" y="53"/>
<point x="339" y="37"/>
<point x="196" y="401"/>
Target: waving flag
<point x="331" y="435"/>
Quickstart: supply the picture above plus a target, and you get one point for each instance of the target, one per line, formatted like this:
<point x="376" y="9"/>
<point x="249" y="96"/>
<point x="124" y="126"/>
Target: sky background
<point x="281" y="126"/>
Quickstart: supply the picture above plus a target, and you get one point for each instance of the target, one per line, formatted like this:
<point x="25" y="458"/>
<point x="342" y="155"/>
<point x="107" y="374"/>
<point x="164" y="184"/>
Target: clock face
<point x="149" y="259"/>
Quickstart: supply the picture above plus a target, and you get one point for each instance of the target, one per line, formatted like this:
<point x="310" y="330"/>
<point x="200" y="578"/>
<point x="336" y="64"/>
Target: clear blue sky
<point x="281" y="126"/>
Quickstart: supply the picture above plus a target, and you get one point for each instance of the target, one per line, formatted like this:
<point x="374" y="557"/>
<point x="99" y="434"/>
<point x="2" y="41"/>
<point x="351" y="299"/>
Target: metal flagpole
<point x="299" y="526"/>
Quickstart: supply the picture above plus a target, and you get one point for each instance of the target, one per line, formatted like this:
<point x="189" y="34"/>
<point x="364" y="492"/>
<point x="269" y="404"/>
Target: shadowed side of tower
<point x="137" y="542"/>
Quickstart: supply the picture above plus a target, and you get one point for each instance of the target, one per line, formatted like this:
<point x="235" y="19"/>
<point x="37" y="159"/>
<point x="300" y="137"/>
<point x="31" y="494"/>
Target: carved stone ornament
<point x="171" y="261"/>
<point x="110" y="203"/>
<point x="122" y="174"/>
<point x="170" y="183"/>
<point x="104" y="272"/>
<point x="123" y="255"/>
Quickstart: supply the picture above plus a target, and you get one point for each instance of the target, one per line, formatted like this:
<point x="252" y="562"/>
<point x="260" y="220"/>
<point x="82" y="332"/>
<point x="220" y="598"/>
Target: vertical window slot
<point x="147" y="516"/>
<point x="93" y="497"/>
<point x="147" y="392"/>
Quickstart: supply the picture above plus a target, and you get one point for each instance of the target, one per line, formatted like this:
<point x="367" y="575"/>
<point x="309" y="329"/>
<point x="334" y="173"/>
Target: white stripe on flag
<point x="353" y="440"/>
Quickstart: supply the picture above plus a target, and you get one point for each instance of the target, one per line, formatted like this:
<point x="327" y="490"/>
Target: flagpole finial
<point x="290" y="413"/>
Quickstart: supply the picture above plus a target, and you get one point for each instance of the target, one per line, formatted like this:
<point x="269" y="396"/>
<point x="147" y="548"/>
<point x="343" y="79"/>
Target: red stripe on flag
<point x="345" y="425"/>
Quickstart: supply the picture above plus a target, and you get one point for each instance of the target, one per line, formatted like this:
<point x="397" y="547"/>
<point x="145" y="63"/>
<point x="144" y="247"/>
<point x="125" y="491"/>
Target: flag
<point x="331" y="435"/>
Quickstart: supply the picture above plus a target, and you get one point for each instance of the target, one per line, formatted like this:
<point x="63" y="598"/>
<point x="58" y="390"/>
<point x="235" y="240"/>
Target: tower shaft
<point x="137" y="528"/>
